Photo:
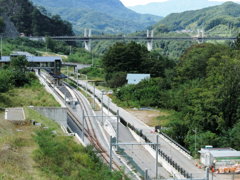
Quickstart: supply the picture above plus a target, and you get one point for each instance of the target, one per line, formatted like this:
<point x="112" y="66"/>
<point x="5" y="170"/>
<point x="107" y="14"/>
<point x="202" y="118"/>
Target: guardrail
<point x="160" y="152"/>
<point x="174" y="142"/>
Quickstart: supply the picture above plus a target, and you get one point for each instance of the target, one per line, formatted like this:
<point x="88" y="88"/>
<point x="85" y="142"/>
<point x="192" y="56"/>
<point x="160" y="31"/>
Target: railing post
<point x="110" y="161"/>
<point x="157" y="138"/>
<point x="146" y="174"/>
<point x="207" y="173"/>
<point x="83" y="130"/>
<point x="117" y="135"/>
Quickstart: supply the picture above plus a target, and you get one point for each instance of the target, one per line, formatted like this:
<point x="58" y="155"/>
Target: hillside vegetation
<point x="201" y="88"/>
<point x="103" y="16"/>
<point x="29" y="20"/>
<point x="216" y="20"/>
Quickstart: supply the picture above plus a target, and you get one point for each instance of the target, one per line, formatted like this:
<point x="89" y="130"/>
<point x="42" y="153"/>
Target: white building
<point x="219" y="157"/>
<point x="136" y="78"/>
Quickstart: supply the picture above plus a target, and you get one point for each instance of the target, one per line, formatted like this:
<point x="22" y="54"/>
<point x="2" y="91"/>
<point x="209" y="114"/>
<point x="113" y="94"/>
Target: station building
<point x="52" y="64"/>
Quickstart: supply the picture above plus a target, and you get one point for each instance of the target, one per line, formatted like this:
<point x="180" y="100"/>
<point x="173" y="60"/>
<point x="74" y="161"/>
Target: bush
<point x="62" y="158"/>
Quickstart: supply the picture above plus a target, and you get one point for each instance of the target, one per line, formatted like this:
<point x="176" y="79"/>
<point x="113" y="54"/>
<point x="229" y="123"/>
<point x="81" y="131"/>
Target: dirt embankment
<point x="150" y="117"/>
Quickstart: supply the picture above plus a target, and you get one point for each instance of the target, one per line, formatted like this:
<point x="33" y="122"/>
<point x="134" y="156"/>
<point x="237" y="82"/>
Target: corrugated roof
<point x="43" y="58"/>
<point x="5" y="59"/>
<point x="221" y="152"/>
<point x="34" y="58"/>
<point x="21" y="53"/>
<point x="225" y="153"/>
<point x="138" y="76"/>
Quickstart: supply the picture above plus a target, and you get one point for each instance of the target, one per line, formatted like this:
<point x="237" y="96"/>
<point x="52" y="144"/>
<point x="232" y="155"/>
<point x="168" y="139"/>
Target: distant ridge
<point x="173" y="6"/>
<point x="216" y="20"/>
<point x="104" y="16"/>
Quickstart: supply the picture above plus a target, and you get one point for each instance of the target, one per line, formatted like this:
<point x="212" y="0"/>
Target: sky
<point x="142" y="2"/>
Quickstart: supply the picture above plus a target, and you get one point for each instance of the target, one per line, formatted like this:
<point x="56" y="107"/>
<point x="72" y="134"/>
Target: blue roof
<point x="136" y="78"/>
<point x="5" y="59"/>
<point x="43" y="58"/>
<point x="34" y="58"/>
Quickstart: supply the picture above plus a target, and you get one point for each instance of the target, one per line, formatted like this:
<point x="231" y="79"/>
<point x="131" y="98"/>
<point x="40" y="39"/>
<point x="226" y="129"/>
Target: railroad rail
<point x="89" y="130"/>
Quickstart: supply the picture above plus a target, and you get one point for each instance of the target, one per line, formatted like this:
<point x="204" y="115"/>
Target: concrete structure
<point x="59" y="115"/>
<point x="219" y="157"/>
<point x="87" y="42"/>
<point x="16" y="115"/>
<point x="136" y="78"/>
<point x="150" y="40"/>
<point x="52" y="64"/>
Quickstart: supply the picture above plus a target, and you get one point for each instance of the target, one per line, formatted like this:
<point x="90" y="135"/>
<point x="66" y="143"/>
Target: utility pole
<point x="65" y="98"/>
<point x="102" y="107"/>
<point x="67" y="71"/>
<point x="83" y="130"/>
<point x="195" y="139"/>
<point x="1" y="47"/>
<point x="86" y="83"/>
<point x="146" y="174"/>
<point x="92" y="58"/>
<point x="108" y="105"/>
<point x="70" y="50"/>
<point x="110" y="153"/>
<point x="77" y="79"/>
<point x="94" y="102"/>
<point x="117" y="134"/>
<point x="157" y="138"/>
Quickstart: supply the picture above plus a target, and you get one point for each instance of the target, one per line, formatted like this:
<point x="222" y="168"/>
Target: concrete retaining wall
<point x="59" y="115"/>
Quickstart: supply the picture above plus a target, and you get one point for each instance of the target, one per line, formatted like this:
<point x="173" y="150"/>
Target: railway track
<point x="89" y="129"/>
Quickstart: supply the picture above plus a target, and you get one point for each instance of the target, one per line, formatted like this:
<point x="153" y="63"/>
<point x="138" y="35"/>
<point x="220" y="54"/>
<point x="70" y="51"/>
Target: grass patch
<point x="29" y="95"/>
<point x="163" y="119"/>
<point x="16" y="147"/>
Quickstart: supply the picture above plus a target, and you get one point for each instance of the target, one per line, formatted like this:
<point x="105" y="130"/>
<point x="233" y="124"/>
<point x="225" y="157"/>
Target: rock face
<point x="22" y="17"/>
<point x="10" y="29"/>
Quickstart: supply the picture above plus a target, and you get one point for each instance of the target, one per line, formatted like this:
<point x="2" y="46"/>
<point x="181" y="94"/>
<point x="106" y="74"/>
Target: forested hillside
<point x="29" y="20"/>
<point x="217" y="20"/>
<point x="107" y="16"/>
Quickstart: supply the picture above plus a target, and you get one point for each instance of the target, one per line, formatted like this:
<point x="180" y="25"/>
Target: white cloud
<point x="225" y="0"/>
<point x="139" y="2"/>
<point x="143" y="2"/>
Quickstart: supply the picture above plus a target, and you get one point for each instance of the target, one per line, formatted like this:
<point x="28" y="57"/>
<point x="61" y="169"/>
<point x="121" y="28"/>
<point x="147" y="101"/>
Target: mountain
<point x="222" y="19"/>
<point x="173" y="6"/>
<point x="22" y="17"/>
<point x="109" y="16"/>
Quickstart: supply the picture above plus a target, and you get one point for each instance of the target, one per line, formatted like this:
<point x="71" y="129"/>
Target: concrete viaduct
<point x="88" y="38"/>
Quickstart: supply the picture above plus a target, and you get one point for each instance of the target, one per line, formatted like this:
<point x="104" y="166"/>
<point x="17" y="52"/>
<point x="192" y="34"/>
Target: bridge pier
<point x="200" y="36"/>
<point x="150" y="40"/>
<point x="87" y="41"/>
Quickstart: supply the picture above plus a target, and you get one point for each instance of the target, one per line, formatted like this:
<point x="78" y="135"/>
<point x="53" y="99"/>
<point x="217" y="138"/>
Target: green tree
<point x="5" y="80"/>
<point x="19" y="70"/>
<point x="2" y="25"/>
